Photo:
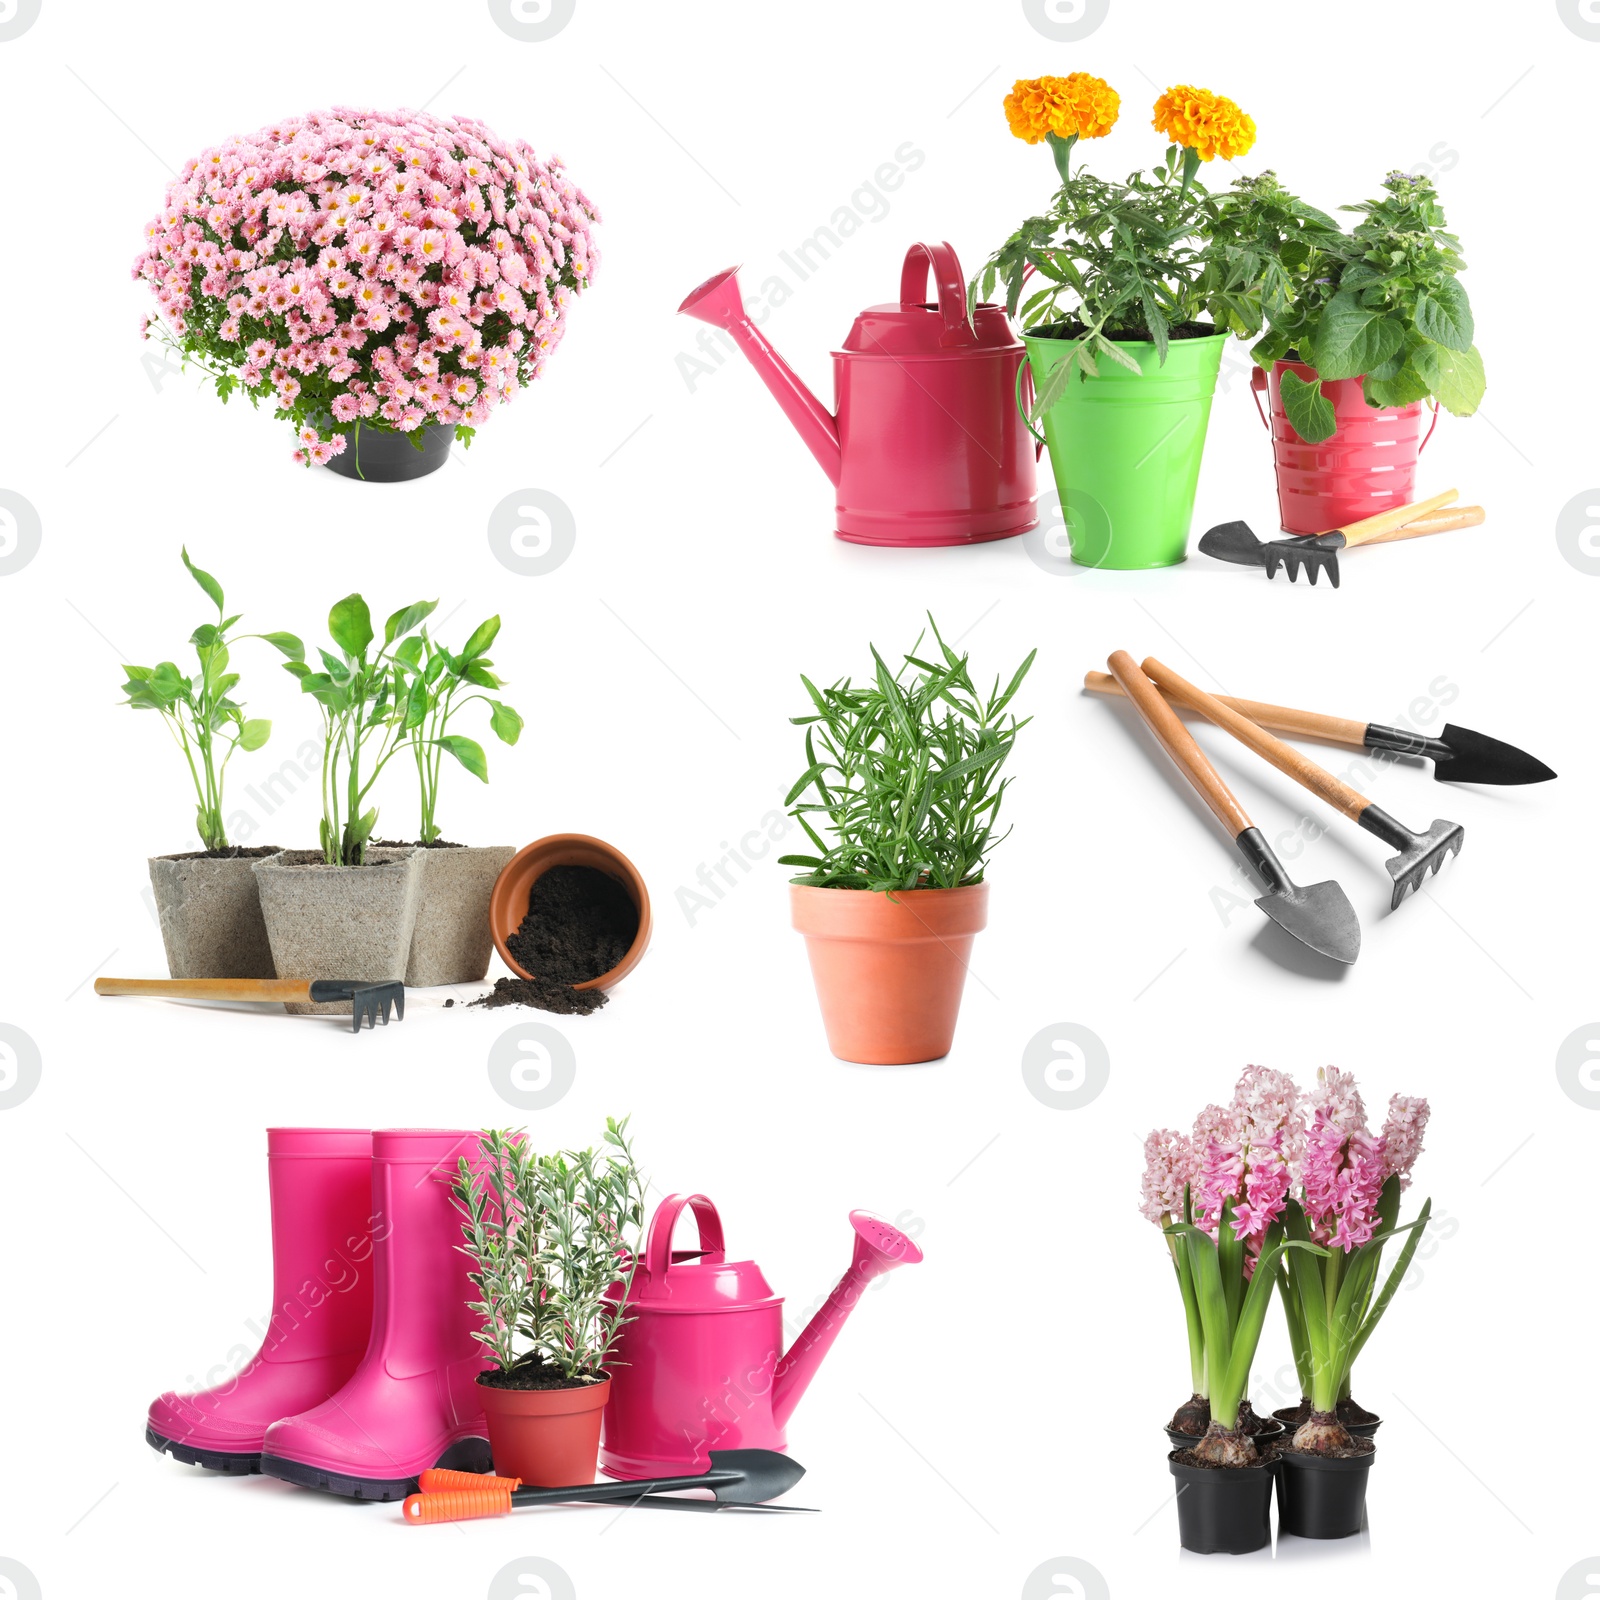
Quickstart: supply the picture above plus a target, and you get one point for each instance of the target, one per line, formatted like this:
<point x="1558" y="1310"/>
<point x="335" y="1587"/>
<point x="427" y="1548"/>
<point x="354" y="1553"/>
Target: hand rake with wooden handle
<point x="1420" y="853"/>
<point x="368" y="1001"/>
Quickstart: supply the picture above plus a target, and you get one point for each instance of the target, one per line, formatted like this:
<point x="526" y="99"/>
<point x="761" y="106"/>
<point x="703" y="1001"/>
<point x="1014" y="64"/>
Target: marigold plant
<point x="1208" y="124"/>
<point x="363" y="268"/>
<point x="1061" y="111"/>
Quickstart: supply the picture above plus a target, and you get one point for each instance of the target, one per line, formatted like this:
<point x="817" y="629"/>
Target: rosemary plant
<point x="547" y="1236"/>
<point x="905" y="771"/>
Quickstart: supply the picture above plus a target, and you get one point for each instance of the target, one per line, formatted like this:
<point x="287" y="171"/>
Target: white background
<point x="1000" y="1405"/>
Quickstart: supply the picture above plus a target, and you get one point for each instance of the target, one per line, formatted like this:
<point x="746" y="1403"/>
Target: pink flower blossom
<point x="1402" y="1136"/>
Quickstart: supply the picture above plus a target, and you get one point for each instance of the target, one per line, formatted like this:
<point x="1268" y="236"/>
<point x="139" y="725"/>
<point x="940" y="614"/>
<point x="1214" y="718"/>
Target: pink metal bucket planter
<point x="1368" y="466"/>
<point x="925" y="447"/>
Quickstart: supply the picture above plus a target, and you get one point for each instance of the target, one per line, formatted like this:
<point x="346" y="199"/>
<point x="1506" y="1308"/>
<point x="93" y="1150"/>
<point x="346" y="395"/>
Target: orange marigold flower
<point x="1209" y="124"/>
<point x="1077" y="106"/>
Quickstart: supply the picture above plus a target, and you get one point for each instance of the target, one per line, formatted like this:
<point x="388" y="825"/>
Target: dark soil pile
<point x="416" y="844"/>
<point x="234" y="852"/>
<point x="1357" y="1447"/>
<point x="580" y="924"/>
<point x="543" y="993"/>
<point x="534" y="1374"/>
<point x="1187" y="1458"/>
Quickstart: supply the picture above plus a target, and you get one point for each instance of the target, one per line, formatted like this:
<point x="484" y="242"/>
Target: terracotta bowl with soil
<point x="590" y="920"/>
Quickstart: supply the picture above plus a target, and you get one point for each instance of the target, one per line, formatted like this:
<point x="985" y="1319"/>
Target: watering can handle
<point x="1025" y="366"/>
<point x="940" y="260"/>
<point x="1258" y="384"/>
<point x="658" y="1246"/>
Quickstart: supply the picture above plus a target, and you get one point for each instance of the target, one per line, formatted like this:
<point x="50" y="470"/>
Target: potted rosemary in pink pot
<point x="547" y="1235"/>
<point x="1347" y="1200"/>
<point x="381" y="280"/>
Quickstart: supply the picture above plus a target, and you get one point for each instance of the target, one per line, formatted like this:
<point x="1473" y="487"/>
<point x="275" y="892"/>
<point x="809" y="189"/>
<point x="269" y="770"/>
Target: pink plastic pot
<point x="701" y="1366"/>
<point x="926" y="446"/>
<point x="1369" y="465"/>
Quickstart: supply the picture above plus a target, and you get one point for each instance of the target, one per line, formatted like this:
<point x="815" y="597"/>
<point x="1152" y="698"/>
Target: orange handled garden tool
<point x="1235" y="542"/>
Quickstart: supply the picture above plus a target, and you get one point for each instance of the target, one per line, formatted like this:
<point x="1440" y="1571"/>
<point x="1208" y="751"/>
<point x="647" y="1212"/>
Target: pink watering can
<point x="700" y="1368"/>
<point x="925" y="445"/>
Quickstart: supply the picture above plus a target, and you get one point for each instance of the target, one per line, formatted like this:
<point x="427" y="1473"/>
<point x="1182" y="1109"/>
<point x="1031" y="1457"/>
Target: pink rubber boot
<point x="413" y="1402"/>
<point x="320" y="1182"/>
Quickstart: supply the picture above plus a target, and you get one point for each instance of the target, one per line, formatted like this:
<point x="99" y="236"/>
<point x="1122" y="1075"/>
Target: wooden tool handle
<point x="209" y="988"/>
<point x="1179" y="743"/>
<point x="1434" y="522"/>
<point x="1303" y="724"/>
<point x="1370" y="528"/>
<point x="1284" y="757"/>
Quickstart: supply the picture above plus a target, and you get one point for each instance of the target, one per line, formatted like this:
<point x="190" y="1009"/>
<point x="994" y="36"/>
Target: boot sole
<point x="236" y="1466"/>
<point x="465" y="1455"/>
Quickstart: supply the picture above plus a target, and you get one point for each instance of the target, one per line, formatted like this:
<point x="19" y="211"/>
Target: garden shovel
<point x="1318" y="553"/>
<point x="1420" y="853"/>
<point x="738" y="1479"/>
<point x="1320" y="917"/>
<point x="367" y="1000"/>
<point x="1459" y="755"/>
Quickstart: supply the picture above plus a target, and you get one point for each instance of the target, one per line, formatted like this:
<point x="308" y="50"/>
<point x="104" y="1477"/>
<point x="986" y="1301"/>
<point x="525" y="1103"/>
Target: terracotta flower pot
<point x="451" y="942"/>
<point x="210" y="915"/>
<point x="549" y="1438"/>
<point x="508" y="904"/>
<point x="889" y="969"/>
<point x="339" y="922"/>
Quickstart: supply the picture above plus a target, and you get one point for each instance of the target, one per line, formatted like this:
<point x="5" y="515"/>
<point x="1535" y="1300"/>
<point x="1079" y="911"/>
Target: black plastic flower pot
<point x="1322" y="1497"/>
<point x="1359" y="1430"/>
<point x="379" y="455"/>
<point x="1223" y="1510"/>
<point x="1273" y="1431"/>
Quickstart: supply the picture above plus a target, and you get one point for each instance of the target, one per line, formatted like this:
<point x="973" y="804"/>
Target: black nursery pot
<point x="378" y="455"/>
<point x="1223" y="1510"/>
<point x="1322" y="1497"/>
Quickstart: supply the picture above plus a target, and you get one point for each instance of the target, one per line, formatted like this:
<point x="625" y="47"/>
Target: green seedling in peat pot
<point x="432" y="685"/>
<point x="905" y="772"/>
<point x="363" y="722"/>
<point x="206" y="722"/>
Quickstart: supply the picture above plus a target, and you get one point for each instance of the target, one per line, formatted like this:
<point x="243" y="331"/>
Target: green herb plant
<point x="905" y="774"/>
<point x="364" y="696"/>
<point x="1329" y="1304"/>
<point x="547" y="1235"/>
<point x="438" y="684"/>
<point x="199" y="710"/>
<point x="1383" y="303"/>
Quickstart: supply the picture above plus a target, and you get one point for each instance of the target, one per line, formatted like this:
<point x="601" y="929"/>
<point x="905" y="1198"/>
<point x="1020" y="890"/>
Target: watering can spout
<point x="719" y="302"/>
<point x="880" y="1248"/>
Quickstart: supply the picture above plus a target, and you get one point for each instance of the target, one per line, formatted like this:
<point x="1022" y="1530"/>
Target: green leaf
<point x="254" y="733"/>
<point x="1455" y="377"/>
<point x="1351" y="338"/>
<point x="205" y="636"/>
<point x="1122" y="358"/>
<point x="482" y="638"/>
<point x="469" y="753"/>
<point x="361" y="830"/>
<point x="1310" y="412"/>
<point x="416" y="705"/>
<point x="350" y="624"/>
<point x="286" y="644"/>
<point x="507" y="724"/>
<point x="1406" y="386"/>
<point x="410" y="650"/>
<point x="407" y="618"/>
<point x="206" y="582"/>
<point x="137" y="674"/>
<point x="1445" y="316"/>
<point x="478" y="672"/>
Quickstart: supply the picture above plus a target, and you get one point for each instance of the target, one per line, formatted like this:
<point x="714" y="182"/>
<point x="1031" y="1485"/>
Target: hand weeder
<point x="1320" y="917"/>
<point x="1420" y="853"/>
<point x="738" y="1478"/>
<point x="1458" y="754"/>
<point x="368" y="1001"/>
<point x="1235" y="542"/>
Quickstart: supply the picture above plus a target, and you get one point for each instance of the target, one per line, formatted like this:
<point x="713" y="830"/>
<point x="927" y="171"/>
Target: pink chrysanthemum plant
<point x="1347" y="1201"/>
<point x="1226" y="1249"/>
<point x="357" y="268"/>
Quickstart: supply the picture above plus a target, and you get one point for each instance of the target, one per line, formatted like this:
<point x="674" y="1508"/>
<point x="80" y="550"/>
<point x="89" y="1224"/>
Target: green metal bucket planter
<point x="1125" y="448"/>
